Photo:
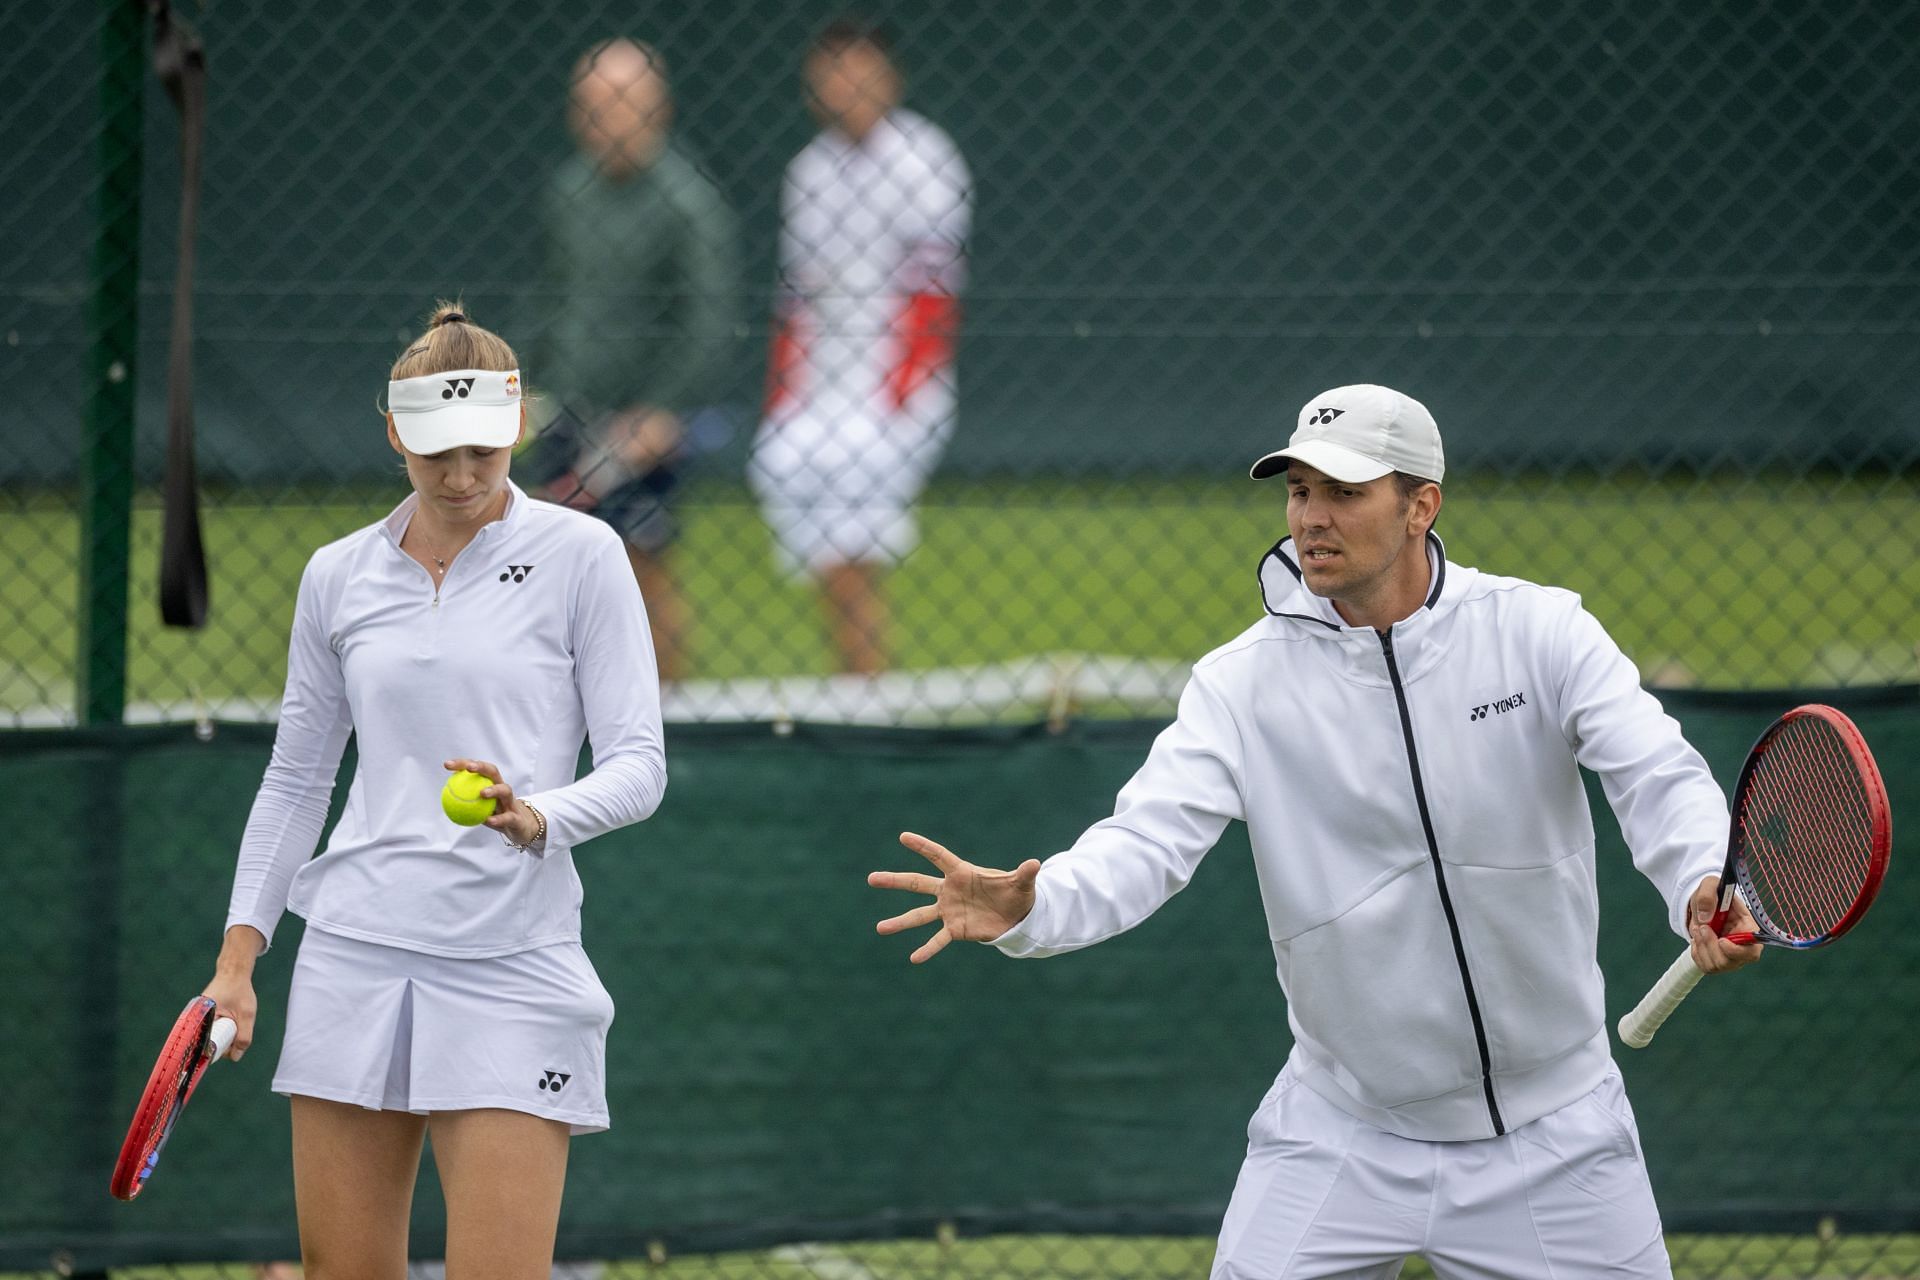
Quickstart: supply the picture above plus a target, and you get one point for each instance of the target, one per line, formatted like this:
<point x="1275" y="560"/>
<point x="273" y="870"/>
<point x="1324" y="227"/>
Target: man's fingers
<point x="1706" y="948"/>
<point x="1706" y="900"/>
<point x="1027" y="872"/>
<point x="1731" y="955"/>
<point x="938" y="854"/>
<point x="1714" y="954"/>
<point x="910" y="919"/>
<point x="1740" y="918"/>
<point x="911" y="881"/>
<point x="931" y="947"/>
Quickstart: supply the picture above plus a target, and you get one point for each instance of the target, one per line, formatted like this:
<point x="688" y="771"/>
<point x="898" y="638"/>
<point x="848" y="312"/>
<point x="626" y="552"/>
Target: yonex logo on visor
<point x="1324" y="416"/>
<point x="455" y="408"/>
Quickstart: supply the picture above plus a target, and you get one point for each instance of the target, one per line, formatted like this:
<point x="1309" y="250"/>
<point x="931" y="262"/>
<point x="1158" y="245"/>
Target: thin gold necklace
<point x="439" y="561"/>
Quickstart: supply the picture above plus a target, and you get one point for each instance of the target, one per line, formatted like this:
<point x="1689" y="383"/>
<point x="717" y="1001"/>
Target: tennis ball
<point x="462" y="800"/>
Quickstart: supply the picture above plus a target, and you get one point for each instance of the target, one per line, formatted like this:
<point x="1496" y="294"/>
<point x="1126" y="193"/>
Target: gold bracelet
<point x="540" y="833"/>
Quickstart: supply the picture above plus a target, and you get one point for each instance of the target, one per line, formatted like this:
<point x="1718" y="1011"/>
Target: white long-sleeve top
<point x="536" y="640"/>
<point x="1422" y="838"/>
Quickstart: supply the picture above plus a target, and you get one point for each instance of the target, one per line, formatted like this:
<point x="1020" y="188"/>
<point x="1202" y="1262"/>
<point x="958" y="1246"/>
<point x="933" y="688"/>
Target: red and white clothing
<point x="861" y="397"/>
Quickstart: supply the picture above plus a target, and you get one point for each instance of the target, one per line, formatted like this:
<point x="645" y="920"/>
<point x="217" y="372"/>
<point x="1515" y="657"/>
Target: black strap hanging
<point x="181" y="63"/>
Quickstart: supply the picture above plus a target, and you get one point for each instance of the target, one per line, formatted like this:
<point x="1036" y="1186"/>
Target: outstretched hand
<point x="970" y="904"/>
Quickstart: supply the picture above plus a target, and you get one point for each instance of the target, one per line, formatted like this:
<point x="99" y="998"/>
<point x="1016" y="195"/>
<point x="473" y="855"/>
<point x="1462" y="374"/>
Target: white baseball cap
<point x="1360" y="433"/>
<point x="441" y="411"/>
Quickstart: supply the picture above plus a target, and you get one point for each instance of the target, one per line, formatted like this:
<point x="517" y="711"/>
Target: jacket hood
<point x="1283" y="593"/>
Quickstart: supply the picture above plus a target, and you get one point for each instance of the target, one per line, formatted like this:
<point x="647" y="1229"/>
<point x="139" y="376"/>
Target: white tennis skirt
<point x="395" y="1030"/>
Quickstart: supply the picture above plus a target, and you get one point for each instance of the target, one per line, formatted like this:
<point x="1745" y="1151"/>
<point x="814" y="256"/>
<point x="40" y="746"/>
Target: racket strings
<point x="1805" y="832"/>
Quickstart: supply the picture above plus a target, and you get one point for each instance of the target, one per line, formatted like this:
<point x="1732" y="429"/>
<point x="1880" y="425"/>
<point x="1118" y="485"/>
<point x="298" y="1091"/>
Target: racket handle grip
<point x="1641" y="1021"/>
<point x="221" y="1037"/>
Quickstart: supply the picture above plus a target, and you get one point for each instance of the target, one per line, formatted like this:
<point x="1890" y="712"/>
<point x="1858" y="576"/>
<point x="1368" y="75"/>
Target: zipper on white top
<point x="1440" y="883"/>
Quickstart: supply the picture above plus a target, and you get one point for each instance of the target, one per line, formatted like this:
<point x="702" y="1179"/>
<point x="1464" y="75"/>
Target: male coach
<point x="1403" y="737"/>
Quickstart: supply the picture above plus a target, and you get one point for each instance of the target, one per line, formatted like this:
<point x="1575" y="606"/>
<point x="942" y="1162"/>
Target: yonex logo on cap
<point x="457" y="387"/>
<point x="1359" y="434"/>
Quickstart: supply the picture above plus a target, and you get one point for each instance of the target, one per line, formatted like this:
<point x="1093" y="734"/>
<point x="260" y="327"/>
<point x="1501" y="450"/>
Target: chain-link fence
<point x="952" y="426"/>
<point x="1653" y="271"/>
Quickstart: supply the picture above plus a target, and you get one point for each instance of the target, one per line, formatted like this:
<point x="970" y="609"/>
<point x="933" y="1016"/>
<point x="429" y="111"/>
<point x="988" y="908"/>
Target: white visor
<point x="442" y="411"/>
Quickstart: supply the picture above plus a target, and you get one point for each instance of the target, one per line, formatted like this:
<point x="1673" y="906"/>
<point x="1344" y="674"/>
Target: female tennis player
<point x="440" y="985"/>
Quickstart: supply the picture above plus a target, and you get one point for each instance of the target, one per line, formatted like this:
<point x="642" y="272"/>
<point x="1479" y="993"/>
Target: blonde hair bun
<point x="453" y="341"/>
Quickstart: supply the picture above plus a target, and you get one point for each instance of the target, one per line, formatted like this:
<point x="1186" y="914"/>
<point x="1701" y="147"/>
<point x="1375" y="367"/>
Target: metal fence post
<point x="113" y="326"/>
<point x="106" y="511"/>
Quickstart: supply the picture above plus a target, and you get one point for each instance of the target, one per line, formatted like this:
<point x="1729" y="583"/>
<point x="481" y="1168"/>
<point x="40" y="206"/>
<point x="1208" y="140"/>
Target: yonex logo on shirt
<point x="554" y="1080"/>
<point x="518" y="572"/>
<point x="1321" y="417"/>
<point x="1499" y="708"/>
<point x="457" y="387"/>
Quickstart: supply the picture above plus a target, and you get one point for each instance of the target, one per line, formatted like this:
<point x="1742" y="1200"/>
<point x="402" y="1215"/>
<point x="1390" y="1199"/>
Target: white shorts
<point x="842" y="491"/>
<point x="1326" y="1196"/>
<point x="813" y="536"/>
<point x="396" y="1030"/>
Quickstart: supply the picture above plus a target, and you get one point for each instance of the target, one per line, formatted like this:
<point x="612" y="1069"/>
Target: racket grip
<point x="221" y="1037"/>
<point x="1641" y="1021"/>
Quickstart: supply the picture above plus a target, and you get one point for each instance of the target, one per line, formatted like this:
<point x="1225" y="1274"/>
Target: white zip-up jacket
<point x="1422" y="837"/>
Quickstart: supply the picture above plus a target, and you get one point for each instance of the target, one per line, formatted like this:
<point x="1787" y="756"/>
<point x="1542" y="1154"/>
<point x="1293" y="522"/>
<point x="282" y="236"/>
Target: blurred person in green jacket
<point x="638" y="300"/>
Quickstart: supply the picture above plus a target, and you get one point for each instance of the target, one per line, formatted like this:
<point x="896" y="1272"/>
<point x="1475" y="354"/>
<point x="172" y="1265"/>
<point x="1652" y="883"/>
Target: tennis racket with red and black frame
<point x="197" y="1040"/>
<point x="1810" y="840"/>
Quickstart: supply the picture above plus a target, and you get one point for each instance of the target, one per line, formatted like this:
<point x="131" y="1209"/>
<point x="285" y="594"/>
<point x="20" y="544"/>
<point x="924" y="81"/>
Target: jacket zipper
<point x="1440" y="879"/>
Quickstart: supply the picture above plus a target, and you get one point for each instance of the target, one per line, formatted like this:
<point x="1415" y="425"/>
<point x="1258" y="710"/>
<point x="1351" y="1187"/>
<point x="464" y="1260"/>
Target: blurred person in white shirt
<point x="861" y="399"/>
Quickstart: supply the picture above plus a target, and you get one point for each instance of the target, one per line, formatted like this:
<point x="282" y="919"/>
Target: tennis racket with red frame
<point x="197" y="1040"/>
<point x="1809" y="844"/>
